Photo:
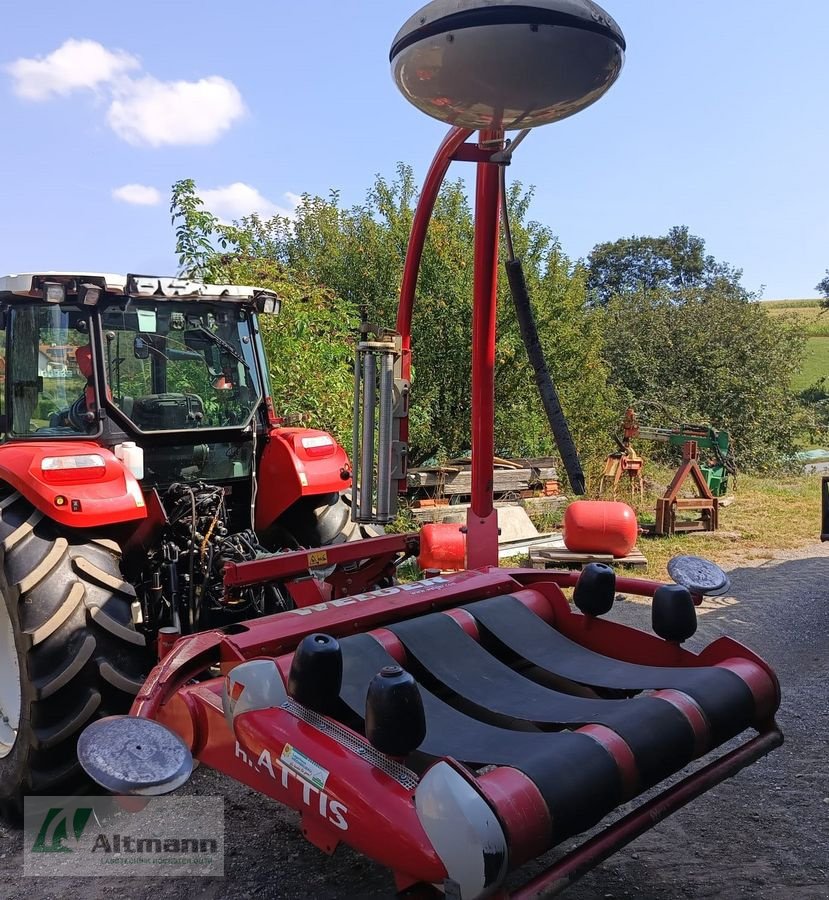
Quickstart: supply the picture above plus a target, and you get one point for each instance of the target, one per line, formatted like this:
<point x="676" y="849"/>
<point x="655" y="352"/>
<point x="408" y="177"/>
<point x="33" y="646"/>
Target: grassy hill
<point x="815" y="319"/>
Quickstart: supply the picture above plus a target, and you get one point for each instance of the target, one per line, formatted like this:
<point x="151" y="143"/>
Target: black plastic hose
<point x="549" y="396"/>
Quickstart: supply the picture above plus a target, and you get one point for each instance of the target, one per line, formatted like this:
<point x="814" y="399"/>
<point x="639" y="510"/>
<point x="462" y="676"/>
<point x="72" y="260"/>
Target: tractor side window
<point x="50" y="369"/>
<point x="2" y="372"/>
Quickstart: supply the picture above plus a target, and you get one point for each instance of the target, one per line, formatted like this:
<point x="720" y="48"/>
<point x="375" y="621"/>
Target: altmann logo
<point x="141" y="836"/>
<point x="423" y="585"/>
<point x="127" y="843"/>
<point x="314" y="798"/>
<point x="57" y="830"/>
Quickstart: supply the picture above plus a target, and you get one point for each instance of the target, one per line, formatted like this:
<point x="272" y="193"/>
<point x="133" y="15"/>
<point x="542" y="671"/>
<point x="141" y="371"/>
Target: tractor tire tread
<point x="100" y="617"/>
<point x="80" y="655"/>
<point x="91" y="572"/>
<point x="22" y="531"/>
<point x="45" y="687"/>
<point x="45" y="567"/>
<point x="119" y="679"/>
<point x="13" y="497"/>
<point x="74" y="722"/>
<point x="54" y="780"/>
<point x="63" y="612"/>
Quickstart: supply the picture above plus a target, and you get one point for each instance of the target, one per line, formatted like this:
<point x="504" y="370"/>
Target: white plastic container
<point x="132" y="456"/>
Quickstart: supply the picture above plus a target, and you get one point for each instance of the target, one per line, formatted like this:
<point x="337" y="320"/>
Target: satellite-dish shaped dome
<point x="506" y="64"/>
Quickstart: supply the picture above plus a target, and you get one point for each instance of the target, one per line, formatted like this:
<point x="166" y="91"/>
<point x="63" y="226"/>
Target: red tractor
<point x="141" y="454"/>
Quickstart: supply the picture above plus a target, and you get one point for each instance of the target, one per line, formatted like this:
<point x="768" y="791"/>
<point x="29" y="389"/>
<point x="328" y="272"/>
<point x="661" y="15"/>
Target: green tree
<point x="709" y="357"/>
<point x="671" y="263"/>
<point x="195" y="227"/>
<point x="353" y="258"/>
<point x="822" y="287"/>
<point x="309" y="344"/>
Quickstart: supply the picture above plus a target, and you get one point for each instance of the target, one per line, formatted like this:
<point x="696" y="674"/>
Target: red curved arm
<point x="420" y="225"/>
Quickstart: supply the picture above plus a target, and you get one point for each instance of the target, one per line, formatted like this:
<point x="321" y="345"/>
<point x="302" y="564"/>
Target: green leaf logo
<point x="53" y="833"/>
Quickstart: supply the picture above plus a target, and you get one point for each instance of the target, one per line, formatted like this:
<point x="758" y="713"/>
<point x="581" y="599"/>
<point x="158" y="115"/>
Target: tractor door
<point x="49" y="395"/>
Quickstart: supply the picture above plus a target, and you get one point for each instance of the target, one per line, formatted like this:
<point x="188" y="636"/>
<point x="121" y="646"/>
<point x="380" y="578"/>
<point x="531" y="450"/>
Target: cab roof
<point x="31" y="285"/>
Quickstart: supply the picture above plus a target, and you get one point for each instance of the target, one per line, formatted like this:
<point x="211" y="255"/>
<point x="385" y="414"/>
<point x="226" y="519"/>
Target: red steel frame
<point x="360" y="564"/>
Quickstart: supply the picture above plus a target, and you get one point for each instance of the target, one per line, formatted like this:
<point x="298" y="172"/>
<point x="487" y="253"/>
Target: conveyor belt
<point x="659" y="735"/>
<point x="722" y="695"/>
<point x="576" y="776"/>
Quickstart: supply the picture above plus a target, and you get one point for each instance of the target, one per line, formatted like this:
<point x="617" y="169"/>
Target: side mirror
<point x="196" y="340"/>
<point x="141" y="348"/>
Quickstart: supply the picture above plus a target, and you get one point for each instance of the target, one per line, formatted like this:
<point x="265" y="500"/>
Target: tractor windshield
<point x="173" y="365"/>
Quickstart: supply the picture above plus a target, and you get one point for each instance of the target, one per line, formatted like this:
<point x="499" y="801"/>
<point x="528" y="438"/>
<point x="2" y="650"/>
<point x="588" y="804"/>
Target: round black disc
<point x="129" y="755"/>
<point x="699" y="575"/>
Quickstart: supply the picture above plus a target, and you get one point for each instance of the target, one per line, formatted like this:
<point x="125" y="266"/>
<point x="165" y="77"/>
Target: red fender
<point x="90" y="497"/>
<point x="298" y="462"/>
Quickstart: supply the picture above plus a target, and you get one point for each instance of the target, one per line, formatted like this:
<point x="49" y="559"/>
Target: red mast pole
<point x="417" y="237"/>
<point x="482" y="518"/>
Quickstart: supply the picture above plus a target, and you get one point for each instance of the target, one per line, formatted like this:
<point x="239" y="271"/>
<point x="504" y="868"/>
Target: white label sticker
<point x="146" y="320"/>
<point x="304" y="766"/>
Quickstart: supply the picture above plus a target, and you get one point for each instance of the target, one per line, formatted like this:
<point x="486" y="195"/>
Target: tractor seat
<point x="167" y="412"/>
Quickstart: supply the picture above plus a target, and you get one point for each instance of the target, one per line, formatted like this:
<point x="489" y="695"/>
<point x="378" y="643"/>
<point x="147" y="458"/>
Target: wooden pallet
<point x="541" y="558"/>
<point x="509" y="477"/>
<point x="440" y="512"/>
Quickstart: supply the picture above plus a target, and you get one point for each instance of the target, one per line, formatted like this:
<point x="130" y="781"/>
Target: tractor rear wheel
<point x="321" y="520"/>
<point x="69" y="651"/>
<point x="333" y="523"/>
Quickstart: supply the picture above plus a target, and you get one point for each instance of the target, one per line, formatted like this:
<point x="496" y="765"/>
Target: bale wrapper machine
<point x="455" y="728"/>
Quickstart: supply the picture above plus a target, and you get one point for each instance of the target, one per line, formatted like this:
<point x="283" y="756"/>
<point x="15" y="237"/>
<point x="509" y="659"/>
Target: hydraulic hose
<point x="529" y="333"/>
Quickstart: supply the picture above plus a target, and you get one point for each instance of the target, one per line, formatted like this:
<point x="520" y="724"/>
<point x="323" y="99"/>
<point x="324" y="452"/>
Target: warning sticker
<point x="317" y="558"/>
<point x="303" y="766"/>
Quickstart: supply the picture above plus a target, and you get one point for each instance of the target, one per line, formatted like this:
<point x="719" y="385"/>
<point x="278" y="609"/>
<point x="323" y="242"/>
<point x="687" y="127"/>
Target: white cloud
<point x="142" y="110"/>
<point x="75" y="65"/>
<point x="152" y="112"/>
<point x="137" y="194"/>
<point x="240" y="199"/>
<point x="234" y="201"/>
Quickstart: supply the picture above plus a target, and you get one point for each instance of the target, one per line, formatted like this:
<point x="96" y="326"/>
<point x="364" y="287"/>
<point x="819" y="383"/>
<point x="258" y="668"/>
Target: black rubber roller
<point x="595" y="590"/>
<point x="395" y="721"/>
<point x="673" y="616"/>
<point x="316" y="673"/>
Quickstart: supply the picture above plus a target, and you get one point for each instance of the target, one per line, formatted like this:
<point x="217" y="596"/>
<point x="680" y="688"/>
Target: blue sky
<point x="719" y="121"/>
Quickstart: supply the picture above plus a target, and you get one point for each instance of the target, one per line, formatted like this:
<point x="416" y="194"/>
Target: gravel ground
<point x="764" y="834"/>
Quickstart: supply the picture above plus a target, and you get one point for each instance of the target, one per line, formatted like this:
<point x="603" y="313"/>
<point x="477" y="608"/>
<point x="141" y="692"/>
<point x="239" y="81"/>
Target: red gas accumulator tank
<point x="600" y="526"/>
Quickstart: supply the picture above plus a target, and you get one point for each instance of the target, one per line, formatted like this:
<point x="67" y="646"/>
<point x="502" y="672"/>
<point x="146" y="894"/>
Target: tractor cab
<point x="173" y="366"/>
